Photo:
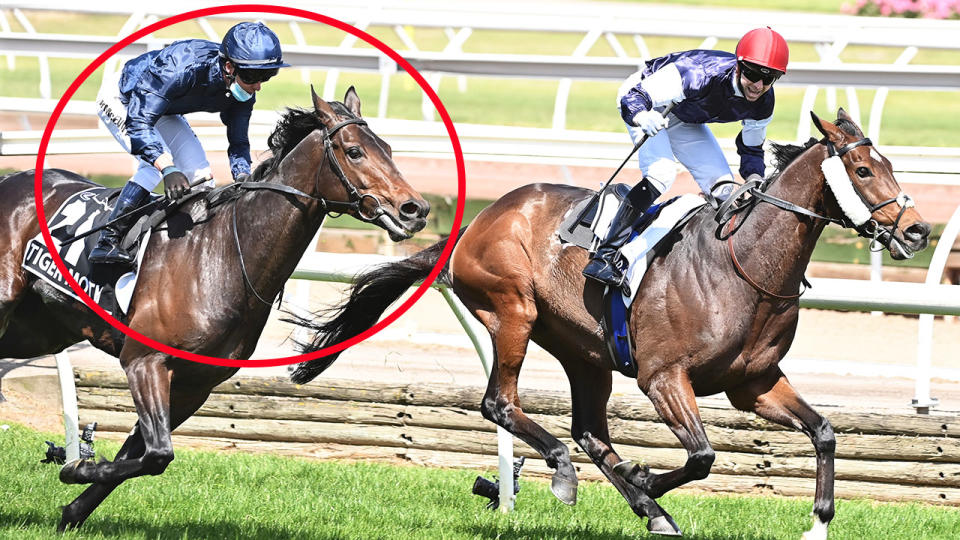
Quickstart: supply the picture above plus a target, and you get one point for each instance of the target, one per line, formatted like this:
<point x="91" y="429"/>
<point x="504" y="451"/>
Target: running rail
<point x="926" y="299"/>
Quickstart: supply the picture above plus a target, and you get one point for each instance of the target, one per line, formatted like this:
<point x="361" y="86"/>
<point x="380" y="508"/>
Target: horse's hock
<point x="894" y="457"/>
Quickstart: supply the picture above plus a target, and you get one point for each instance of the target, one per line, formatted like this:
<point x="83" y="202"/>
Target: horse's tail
<point x="371" y="294"/>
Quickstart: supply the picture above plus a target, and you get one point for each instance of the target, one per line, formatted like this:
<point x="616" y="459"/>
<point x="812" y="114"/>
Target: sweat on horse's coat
<point x="698" y="327"/>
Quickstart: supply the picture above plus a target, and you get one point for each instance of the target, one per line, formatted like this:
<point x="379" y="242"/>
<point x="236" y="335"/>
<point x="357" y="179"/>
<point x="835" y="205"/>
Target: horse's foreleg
<point x="149" y="381"/>
<point x="182" y="406"/>
<point x="774" y="399"/>
<point x="590" y="389"/>
<point x="675" y="402"/>
<point x="75" y="513"/>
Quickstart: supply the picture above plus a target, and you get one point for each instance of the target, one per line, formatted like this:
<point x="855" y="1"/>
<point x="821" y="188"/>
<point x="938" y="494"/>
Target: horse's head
<point x="866" y="196"/>
<point x="366" y="171"/>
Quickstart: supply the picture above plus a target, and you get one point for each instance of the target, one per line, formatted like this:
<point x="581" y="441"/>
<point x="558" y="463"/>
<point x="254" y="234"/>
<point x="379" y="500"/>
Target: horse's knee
<point x="824" y="441"/>
<point x="699" y="463"/>
<point x="155" y="462"/>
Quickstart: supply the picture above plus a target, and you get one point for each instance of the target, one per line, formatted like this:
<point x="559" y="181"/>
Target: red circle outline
<point x="264" y="8"/>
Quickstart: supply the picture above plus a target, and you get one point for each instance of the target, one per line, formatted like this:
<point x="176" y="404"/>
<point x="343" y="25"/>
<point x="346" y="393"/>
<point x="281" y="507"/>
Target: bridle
<point x="857" y="210"/>
<point x="327" y="206"/>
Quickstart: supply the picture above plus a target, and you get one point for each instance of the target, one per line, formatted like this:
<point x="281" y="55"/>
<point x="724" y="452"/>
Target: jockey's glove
<point x="650" y="122"/>
<point x="175" y="183"/>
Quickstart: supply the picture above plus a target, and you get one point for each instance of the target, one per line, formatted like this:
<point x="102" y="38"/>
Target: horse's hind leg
<point x="501" y="403"/>
<point x="590" y="389"/>
<point x="673" y="398"/>
<point x="774" y="399"/>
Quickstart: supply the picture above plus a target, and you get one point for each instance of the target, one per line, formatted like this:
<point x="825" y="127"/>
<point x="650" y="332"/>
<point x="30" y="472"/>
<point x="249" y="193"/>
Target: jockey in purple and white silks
<point x="143" y="107"/>
<point x="706" y="86"/>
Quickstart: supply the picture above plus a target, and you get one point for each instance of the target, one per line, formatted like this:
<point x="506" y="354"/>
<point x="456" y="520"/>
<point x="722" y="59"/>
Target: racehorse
<point x="201" y="291"/>
<point x="716" y="311"/>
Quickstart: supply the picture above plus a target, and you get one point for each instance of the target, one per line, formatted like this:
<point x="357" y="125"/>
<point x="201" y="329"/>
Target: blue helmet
<point x="252" y="46"/>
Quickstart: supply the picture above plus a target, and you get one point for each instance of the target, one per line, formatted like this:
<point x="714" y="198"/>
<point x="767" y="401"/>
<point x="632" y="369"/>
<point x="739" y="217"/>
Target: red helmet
<point x="764" y="47"/>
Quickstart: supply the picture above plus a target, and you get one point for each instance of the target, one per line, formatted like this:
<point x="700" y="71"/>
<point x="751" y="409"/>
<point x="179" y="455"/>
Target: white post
<point x="922" y="400"/>
<point x="485" y="350"/>
<point x="71" y="413"/>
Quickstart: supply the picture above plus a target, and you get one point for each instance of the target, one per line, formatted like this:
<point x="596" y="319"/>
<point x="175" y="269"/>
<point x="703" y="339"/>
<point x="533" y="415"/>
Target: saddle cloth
<point x="110" y="286"/>
<point x="656" y="224"/>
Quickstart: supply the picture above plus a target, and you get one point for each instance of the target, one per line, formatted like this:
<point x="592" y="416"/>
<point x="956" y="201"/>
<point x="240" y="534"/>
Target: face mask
<point x="239" y="93"/>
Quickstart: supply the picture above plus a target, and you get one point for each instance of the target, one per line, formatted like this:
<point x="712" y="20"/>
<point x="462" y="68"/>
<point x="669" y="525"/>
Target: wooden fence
<point x="893" y="457"/>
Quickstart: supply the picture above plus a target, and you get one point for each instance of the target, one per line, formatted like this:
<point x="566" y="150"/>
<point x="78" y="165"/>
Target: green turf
<point x="210" y="495"/>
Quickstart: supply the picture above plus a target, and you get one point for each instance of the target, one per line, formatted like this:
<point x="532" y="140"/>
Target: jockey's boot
<point x="109" y="249"/>
<point x="604" y="265"/>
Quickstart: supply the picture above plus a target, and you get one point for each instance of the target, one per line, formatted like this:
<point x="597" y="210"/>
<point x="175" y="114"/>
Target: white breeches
<point x="178" y="138"/>
<point x="692" y="144"/>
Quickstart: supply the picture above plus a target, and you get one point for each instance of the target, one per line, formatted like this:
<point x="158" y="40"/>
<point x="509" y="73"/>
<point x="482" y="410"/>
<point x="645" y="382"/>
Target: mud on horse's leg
<point x="590" y="389"/>
<point x="774" y="399"/>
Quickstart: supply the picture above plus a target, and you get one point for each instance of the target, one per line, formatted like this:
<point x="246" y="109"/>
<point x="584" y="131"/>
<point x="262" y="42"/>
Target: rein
<point x="728" y="210"/>
<point x="327" y="206"/>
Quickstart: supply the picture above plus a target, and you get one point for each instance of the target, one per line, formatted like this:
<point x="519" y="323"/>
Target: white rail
<point x="924" y="165"/>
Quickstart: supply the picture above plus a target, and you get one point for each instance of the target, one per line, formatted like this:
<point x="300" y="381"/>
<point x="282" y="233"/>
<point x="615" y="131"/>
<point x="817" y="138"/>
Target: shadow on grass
<point x="539" y="531"/>
<point x="40" y="525"/>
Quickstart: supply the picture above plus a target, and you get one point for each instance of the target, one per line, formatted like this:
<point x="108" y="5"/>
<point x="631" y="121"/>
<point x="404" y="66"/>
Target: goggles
<point x="254" y="76"/>
<point x="756" y="73"/>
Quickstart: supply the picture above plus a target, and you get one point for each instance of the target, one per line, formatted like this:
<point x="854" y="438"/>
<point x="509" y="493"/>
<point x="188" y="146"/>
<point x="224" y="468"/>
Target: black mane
<point x="784" y="154"/>
<point x="295" y="124"/>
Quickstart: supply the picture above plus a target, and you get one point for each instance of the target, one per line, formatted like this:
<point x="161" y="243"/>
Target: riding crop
<point x="596" y="196"/>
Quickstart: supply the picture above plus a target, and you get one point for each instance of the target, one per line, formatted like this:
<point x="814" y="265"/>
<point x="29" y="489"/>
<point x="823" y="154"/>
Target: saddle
<point x="74" y="228"/>
<point x="583" y="233"/>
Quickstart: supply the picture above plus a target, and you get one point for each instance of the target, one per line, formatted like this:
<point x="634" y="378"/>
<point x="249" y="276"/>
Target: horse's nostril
<point x="918" y="230"/>
<point x="414" y="209"/>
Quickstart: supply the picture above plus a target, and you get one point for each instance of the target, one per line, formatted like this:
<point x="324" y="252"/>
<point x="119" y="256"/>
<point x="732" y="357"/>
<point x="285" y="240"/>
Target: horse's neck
<point x="774" y="245"/>
<point x="285" y="224"/>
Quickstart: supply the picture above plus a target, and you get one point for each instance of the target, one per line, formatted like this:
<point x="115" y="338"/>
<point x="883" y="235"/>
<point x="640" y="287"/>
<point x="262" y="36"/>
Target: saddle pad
<point x="641" y="245"/>
<point x="585" y="233"/>
<point x="110" y="286"/>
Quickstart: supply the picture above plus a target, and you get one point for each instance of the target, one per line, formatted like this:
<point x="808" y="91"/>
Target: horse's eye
<point x="863" y="172"/>
<point x="354" y="152"/>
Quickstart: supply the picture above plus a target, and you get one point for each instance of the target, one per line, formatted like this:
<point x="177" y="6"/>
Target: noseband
<point x="857" y="210"/>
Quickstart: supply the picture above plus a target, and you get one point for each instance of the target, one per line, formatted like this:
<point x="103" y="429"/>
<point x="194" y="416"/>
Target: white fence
<point x="830" y="36"/>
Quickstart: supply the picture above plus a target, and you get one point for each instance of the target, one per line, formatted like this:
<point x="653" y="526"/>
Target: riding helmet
<point x="252" y="46"/>
<point x="764" y="47"/>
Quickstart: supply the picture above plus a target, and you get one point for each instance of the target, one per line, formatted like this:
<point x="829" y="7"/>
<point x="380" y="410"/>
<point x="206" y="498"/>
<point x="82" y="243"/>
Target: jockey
<point x="143" y="107"/>
<point x="707" y="86"/>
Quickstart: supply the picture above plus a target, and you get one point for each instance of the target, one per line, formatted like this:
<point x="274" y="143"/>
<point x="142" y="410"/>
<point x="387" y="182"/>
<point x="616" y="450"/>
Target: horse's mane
<point x="784" y="154"/>
<point x="295" y="124"/>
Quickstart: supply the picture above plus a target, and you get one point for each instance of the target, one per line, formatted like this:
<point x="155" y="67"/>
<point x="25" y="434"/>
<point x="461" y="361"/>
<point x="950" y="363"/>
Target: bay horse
<point x="700" y="323"/>
<point x="201" y="291"/>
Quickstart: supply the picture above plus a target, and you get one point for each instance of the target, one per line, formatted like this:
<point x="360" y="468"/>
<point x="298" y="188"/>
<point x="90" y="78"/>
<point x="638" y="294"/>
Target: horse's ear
<point x="324" y="110"/>
<point x="842" y="114"/>
<point x="829" y="130"/>
<point x="352" y="101"/>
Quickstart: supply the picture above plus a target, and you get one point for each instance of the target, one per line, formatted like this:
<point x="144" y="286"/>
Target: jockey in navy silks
<point x="706" y="86"/>
<point x="143" y="107"/>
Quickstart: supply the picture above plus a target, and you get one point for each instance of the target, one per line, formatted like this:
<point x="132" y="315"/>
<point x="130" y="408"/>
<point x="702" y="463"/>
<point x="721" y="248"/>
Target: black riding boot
<point x="109" y="250"/>
<point x="603" y="266"/>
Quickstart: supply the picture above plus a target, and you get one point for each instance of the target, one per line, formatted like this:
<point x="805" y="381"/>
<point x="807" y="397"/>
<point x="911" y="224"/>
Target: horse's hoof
<point x="68" y="473"/>
<point x="564" y="490"/>
<point x="664" y="526"/>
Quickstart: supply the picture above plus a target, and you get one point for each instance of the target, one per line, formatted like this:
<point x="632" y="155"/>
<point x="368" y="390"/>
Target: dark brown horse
<point x="192" y="294"/>
<point x="698" y="325"/>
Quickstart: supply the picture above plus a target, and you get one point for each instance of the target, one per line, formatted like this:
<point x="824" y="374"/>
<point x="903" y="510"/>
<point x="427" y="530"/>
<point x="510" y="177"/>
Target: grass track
<point x="215" y="495"/>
